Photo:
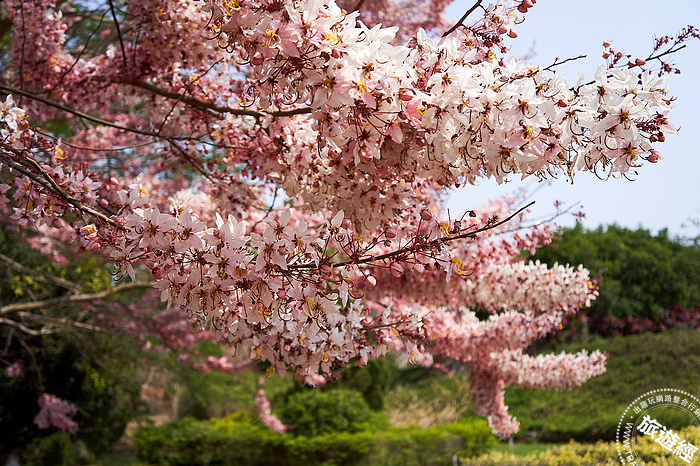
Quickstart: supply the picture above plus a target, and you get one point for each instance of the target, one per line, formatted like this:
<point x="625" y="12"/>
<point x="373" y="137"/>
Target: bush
<point x="575" y="454"/>
<point x="315" y="412"/>
<point x="238" y="440"/>
<point x="56" y="449"/>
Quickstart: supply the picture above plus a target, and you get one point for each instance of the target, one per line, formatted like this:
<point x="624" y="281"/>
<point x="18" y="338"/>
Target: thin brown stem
<point x="63" y="300"/>
<point x="403" y="250"/>
<point x="461" y="20"/>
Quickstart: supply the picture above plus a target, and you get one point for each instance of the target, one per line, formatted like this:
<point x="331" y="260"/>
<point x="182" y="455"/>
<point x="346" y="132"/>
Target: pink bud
<point x="606" y="55"/>
<point x="371" y="280"/>
<point x="654" y="157"/>
<point x="104" y="202"/>
<point x="522" y="8"/>
<point x="396" y="269"/>
<point x="426" y="215"/>
<point x="257" y="59"/>
<point x="114" y="181"/>
<point x="512" y="34"/>
<point x="366" y="155"/>
<point x="502" y="29"/>
<point x="94" y="247"/>
<point x="606" y="44"/>
<point x="528" y="3"/>
<point x="336" y="53"/>
<point x="405" y="95"/>
<point x="389" y="233"/>
<point x="640" y="62"/>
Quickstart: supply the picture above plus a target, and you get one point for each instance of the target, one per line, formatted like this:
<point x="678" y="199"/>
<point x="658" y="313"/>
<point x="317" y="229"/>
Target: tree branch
<point x="217" y="108"/>
<point x="13" y="90"/>
<point x="74" y="287"/>
<point x="461" y="20"/>
<point x="423" y="247"/>
<point x="119" y="32"/>
<point x="79" y="298"/>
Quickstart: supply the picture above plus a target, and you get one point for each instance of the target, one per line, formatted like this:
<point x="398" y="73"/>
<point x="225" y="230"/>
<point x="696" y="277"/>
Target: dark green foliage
<point x="373" y="380"/>
<point x="642" y="274"/>
<point x="636" y="364"/>
<point x="315" y="412"/>
<point x="56" y="449"/>
<point x="240" y="441"/>
<point x="95" y="371"/>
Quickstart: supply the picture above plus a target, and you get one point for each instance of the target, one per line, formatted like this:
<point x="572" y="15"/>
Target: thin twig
<point x="119" y="33"/>
<point x="40" y="276"/>
<point x="63" y="300"/>
<point x="461" y="20"/>
<point x="359" y="5"/>
<point x="403" y="250"/>
<point x="557" y="62"/>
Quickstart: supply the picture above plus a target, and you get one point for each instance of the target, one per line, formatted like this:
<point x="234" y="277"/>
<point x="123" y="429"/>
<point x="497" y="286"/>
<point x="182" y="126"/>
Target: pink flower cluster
<point x="56" y="412"/>
<point x="266" y="416"/>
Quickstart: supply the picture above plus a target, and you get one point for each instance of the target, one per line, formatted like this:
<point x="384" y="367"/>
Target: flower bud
<point x="512" y="34"/>
<point x="257" y="59"/>
<point x="94" y="247"/>
<point x="426" y="215"/>
<point x="654" y="157"/>
<point x="389" y="233"/>
<point x="640" y="62"/>
<point x="396" y="269"/>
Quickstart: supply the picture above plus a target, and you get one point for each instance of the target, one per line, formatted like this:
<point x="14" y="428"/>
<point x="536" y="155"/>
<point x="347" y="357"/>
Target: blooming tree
<point x="277" y="166"/>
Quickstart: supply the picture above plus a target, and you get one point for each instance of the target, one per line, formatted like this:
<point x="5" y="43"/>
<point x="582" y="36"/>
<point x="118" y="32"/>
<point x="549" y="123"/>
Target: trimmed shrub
<point x="315" y="412"/>
<point x="580" y="454"/>
<point x="238" y="440"/>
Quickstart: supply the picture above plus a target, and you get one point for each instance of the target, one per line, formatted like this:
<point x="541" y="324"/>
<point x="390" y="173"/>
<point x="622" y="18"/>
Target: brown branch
<point x="557" y="62"/>
<point x="206" y="106"/>
<point x="54" y="321"/>
<point x="49" y="183"/>
<point x="359" y="5"/>
<point x="13" y="90"/>
<point x="70" y="299"/>
<point x="27" y="330"/>
<point x="428" y="245"/>
<point x="461" y="20"/>
<point x="74" y="287"/>
<point x="119" y="32"/>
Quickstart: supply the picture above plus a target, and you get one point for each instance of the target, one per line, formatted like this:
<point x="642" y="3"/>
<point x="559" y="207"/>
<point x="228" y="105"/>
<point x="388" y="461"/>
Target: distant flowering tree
<point x="277" y="166"/>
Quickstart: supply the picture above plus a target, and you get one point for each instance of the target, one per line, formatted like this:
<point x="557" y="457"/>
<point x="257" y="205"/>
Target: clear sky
<point x="663" y="195"/>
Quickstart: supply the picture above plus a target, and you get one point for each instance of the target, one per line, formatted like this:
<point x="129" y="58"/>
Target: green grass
<point x="636" y="364"/>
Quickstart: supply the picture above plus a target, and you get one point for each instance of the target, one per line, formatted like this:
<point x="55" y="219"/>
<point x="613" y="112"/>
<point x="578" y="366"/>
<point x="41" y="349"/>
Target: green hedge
<point x="238" y="440"/>
<point x="585" y="454"/>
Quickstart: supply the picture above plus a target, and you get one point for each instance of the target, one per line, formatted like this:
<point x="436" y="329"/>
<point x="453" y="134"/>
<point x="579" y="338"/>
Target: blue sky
<point x="664" y="195"/>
